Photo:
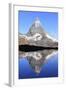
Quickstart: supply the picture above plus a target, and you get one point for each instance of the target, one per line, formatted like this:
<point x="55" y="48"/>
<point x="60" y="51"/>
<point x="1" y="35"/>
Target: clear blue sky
<point x="49" y="21"/>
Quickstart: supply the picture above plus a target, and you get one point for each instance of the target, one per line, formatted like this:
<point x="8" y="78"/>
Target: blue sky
<point x="49" y="21"/>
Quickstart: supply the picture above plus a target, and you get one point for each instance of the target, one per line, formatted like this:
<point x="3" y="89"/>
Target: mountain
<point x="37" y="36"/>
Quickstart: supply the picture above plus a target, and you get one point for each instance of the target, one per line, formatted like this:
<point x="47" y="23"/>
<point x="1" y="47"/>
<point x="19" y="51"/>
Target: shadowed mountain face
<point x="37" y="59"/>
<point x="37" y="36"/>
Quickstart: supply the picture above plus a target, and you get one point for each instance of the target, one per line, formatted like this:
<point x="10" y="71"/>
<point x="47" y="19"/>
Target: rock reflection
<point x="37" y="59"/>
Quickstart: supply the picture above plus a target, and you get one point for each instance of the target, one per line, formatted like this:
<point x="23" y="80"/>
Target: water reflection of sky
<point x="48" y="68"/>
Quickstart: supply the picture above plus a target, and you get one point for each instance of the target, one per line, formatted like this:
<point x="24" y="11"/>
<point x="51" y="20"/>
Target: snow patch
<point x="35" y="55"/>
<point x="52" y="54"/>
<point x="53" y="39"/>
<point x="37" y="22"/>
<point x="35" y="37"/>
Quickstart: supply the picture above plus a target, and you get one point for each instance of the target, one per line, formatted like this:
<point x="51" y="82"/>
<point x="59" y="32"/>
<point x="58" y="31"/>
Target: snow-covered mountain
<point x="38" y="36"/>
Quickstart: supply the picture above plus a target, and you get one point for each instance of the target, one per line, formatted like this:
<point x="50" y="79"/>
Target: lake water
<point x="40" y="64"/>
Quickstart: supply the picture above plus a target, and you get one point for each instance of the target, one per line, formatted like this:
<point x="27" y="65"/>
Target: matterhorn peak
<point x="37" y="22"/>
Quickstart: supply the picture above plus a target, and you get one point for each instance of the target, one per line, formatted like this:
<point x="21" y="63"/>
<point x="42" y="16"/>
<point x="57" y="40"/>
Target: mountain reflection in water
<point x="37" y="64"/>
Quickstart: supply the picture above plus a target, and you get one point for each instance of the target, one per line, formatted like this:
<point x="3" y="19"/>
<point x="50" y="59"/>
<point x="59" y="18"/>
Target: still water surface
<point x="38" y="64"/>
